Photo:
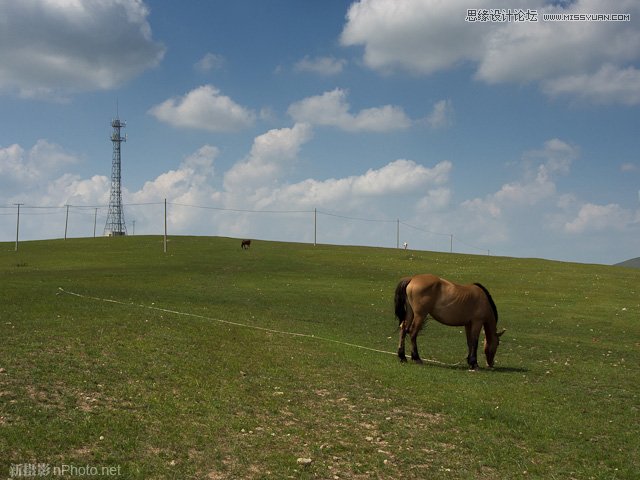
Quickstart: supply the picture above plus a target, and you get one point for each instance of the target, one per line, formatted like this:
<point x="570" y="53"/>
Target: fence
<point x="25" y="222"/>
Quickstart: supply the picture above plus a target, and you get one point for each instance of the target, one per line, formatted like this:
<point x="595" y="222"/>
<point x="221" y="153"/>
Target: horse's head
<point x="491" y="346"/>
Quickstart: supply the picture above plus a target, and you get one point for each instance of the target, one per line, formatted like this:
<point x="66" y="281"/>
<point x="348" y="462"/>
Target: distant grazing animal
<point x="245" y="244"/>
<point x="450" y="304"/>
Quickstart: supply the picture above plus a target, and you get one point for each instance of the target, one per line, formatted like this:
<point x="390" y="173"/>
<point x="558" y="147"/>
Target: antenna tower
<point x="115" y="225"/>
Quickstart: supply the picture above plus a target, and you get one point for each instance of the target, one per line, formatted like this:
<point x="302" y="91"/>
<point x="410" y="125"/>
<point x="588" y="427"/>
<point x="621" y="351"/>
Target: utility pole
<point x="66" y="223"/>
<point x="165" y="225"/>
<point x="18" y="224"/>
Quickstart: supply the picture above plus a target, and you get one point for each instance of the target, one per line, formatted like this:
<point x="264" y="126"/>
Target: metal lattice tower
<point x="115" y="218"/>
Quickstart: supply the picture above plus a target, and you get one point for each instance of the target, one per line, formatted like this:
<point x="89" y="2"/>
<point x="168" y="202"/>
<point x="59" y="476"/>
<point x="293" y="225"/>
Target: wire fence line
<point x="89" y="220"/>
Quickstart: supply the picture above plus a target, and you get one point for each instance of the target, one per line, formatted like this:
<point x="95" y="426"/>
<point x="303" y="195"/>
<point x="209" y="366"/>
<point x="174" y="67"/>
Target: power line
<point x="238" y="210"/>
<point x="359" y="219"/>
<point x="83" y="210"/>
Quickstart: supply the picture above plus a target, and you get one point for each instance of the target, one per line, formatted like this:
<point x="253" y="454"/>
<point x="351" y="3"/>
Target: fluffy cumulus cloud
<point x="189" y="183"/>
<point x="602" y="217"/>
<point x="270" y="155"/>
<point x="332" y="109"/>
<point x="523" y="213"/>
<point x="51" y="48"/>
<point x="204" y="108"/>
<point x="542" y="167"/>
<point x="422" y="36"/>
<point x="26" y="169"/>
<point x="596" y="64"/>
<point x="38" y="176"/>
<point x="397" y="178"/>
<point x="71" y="189"/>
<point x="517" y="213"/>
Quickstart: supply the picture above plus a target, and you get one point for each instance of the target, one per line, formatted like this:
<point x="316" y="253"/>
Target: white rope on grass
<point x="238" y="324"/>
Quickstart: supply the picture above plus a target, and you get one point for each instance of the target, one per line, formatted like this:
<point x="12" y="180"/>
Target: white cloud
<point x="189" y="182"/>
<point x="369" y="192"/>
<point x="26" y="168"/>
<point x="556" y="157"/>
<point x="49" y="49"/>
<point x="332" y="109"/>
<point x="70" y="189"/>
<point x="210" y="61"/>
<point x="442" y="115"/>
<point x="270" y="154"/>
<point x="419" y="36"/>
<point x="537" y="185"/>
<point x="400" y="176"/>
<point x="543" y="51"/>
<point x="609" y="85"/>
<point x="591" y="61"/>
<point x="321" y="65"/>
<point x="593" y="217"/>
<point x="204" y="108"/>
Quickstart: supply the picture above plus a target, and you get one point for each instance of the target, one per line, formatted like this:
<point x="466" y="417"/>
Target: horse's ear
<point x="500" y="333"/>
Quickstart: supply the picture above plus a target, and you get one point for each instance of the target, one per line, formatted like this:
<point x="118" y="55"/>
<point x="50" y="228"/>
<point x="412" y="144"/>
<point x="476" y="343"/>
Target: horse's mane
<point x="491" y="302"/>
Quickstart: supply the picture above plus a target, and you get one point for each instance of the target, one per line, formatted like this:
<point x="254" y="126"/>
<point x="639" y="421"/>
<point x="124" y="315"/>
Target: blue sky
<point x="516" y="138"/>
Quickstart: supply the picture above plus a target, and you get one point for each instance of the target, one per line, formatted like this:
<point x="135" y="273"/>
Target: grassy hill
<point x="156" y="384"/>
<point x="632" y="263"/>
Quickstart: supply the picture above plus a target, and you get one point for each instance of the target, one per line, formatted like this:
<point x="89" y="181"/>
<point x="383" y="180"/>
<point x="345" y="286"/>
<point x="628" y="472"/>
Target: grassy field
<point x="155" y="394"/>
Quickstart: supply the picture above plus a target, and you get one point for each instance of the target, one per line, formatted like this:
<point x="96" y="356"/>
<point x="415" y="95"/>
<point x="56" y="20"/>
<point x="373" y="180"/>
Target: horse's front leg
<point x="403" y="333"/>
<point x="473" y="334"/>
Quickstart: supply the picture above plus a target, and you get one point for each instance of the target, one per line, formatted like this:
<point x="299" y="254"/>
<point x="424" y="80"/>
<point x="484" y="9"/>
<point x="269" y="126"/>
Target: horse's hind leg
<point x="403" y="333"/>
<point x="416" y="326"/>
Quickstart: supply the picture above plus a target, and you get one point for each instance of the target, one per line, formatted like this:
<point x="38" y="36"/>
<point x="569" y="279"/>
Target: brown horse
<point x="450" y="304"/>
<point x="246" y="244"/>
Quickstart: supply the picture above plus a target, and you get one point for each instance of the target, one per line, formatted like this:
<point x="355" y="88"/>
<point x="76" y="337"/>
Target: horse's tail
<point x="491" y="302"/>
<point x="401" y="299"/>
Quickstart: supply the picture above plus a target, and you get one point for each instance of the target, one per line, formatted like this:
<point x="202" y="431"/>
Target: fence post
<point x="398" y="234"/>
<point x="315" y="227"/>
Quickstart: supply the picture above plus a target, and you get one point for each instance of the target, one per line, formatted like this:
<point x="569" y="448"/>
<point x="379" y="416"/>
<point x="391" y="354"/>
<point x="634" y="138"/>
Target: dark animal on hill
<point x="245" y="244"/>
<point x="470" y="306"/>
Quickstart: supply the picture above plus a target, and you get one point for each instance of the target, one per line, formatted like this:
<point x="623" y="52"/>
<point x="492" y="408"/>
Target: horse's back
<point x="425" y="281"/>
<point x="447" y="302"/>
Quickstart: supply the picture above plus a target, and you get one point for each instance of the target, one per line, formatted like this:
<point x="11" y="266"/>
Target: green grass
<point x="88" y="382"/>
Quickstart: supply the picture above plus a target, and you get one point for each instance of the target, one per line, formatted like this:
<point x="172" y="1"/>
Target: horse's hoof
<point x="402" y="359"/>
<point x="417" y="360"/>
